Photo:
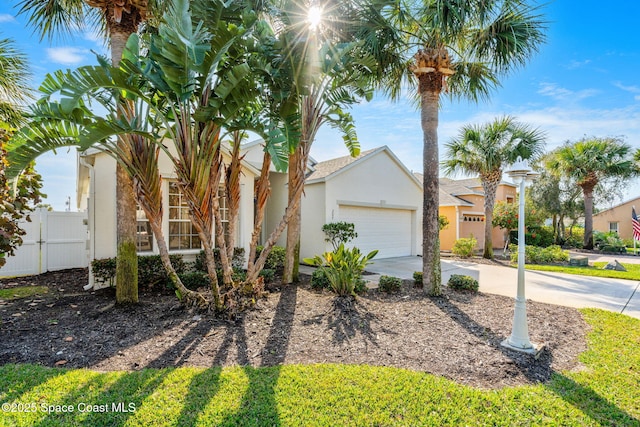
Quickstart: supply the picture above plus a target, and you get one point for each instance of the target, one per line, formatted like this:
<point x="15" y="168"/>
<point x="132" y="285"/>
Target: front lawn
<point x="632" y="273"/>
<point x="605" y="392"/>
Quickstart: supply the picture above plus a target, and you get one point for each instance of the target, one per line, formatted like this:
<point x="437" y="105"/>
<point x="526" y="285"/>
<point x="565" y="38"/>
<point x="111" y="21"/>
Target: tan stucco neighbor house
<point x="617" y="219"/>
<point x="462" y="202"/>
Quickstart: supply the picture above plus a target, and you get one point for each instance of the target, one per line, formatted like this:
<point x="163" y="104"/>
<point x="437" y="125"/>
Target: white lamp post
<point x="521" y="173"/>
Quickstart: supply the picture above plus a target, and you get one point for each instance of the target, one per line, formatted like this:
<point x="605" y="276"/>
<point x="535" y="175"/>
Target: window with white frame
<point x="182" y="234"/>
<point x="613" y="227"/>
<point x="144" y="236"/>
<point x="224" y="209"/>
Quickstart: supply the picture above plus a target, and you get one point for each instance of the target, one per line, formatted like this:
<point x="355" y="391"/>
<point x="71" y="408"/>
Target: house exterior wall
<point x="620" y="214"/>
<point x="448" y="235"/>
<point x="314" y="216"/>
<point x="101" y="206"/>
<point x="474" y="225"/>
<point x="375" y="182"/>
<point x="276" y="205"/>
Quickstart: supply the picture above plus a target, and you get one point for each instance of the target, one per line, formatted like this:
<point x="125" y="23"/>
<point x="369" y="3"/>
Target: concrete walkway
<point x="622" y="296"/>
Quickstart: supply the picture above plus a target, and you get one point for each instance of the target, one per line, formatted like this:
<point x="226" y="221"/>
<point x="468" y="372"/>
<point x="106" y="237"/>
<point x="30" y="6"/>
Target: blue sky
<point x="584" y="81"/>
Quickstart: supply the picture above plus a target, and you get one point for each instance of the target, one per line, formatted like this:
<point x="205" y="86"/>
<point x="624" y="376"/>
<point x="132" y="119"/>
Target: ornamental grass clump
<point x="343" y="268"/>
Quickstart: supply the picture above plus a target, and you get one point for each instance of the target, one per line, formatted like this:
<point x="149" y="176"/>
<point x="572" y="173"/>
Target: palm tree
<point x="117" y="20"/>
<point x="464" y="47"/>
<point x="14" y="83"/>
<point x="485" y="150"/>
<point x="588" y="162"/>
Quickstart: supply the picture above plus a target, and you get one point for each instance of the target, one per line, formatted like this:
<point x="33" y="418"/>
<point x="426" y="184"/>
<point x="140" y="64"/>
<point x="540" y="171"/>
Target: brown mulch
<point x="457" y="336"/>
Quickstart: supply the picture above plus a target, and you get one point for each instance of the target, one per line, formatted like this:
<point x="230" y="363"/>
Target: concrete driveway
<point x="622" y="296"/>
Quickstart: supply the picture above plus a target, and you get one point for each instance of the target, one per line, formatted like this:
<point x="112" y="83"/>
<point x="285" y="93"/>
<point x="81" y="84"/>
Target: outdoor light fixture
<point x="521" y="173"/>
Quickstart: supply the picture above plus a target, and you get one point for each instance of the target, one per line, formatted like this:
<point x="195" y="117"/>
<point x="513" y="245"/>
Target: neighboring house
<point x="617" y="219"/>
<point x="462" y="203"/>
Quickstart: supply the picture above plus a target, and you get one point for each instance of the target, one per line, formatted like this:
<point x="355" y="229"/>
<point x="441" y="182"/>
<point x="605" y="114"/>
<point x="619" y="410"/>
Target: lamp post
<point x="521" y="173"/>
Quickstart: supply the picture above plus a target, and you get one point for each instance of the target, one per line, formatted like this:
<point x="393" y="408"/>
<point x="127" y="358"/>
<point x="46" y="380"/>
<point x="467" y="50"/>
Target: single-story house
<point x="462" y="203"/>
<point x="617" y="219"/>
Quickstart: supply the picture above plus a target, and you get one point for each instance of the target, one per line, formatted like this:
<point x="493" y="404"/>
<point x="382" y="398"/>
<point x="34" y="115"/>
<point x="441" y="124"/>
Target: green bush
<point x="195" y="280"/>
<point x="343" y="268"/>
<point x="389" y="284"/>
<point x="461" y="282"/>
<point x="339" y="232"/>
<point x="575" y="239"/>
<point x="104" y="270"/>
<point x="275" y="259"/>
<point x="319" y="280"/>
<point x="268" y="275"/>
<point x="236" y="262"/>
<point x="360" y="286"/>
<point x="465" y="247"/>
<point x="538" y="255"/>
<point x="417" y="278"/>
<point x="541" y="236"/>
<point x="151" y="271"/>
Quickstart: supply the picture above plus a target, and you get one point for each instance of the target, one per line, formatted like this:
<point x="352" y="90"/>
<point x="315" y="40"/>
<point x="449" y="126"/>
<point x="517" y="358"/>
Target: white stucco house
<point x="375" y="191"/>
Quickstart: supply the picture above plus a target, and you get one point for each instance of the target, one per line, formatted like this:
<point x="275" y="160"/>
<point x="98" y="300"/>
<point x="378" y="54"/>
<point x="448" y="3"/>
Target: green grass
<point x="606" y="392"/>
<point x="22" y="292"/>
<point x="632" y="273"/>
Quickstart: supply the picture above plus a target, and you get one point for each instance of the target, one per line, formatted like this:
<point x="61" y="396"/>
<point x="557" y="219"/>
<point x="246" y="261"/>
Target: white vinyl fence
<point x="54" y="241"/>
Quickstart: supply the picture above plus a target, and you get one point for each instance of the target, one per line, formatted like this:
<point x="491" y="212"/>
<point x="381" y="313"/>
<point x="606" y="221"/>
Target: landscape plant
<point x="343" y="268"/>
<point x="465" y="247"/>
<point x="487" y="150"/>
<point x="339" y="232"/>
<point x="539" y="255"/>
<point x="389" y="284"/>
<point x="461" y="282"/>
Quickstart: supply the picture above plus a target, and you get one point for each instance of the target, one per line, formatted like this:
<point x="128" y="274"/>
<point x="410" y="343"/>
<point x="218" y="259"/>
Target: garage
<point x="388" y="230"/>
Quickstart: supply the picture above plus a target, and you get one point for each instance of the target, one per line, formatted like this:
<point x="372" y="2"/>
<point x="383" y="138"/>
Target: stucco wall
<point x="375" y="181"/>
<point x="448" y="235"/>
<point x="313" y="218"/>
<point x="275" y="207"/>
<point x="620" y="214"/>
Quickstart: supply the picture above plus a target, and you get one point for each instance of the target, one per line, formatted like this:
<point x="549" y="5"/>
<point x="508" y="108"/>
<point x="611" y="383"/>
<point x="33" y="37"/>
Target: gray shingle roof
<point x="328" y="167"/>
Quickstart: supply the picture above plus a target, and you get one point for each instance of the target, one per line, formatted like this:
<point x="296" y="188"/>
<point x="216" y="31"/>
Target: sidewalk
<point x="621" y="296"/>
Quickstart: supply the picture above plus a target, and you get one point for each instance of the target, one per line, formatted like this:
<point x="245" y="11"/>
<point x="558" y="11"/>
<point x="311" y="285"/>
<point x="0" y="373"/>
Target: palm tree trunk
<point x="587" y="192"/>
<point x="126" y="256"/>
<point x="292" y="256"/>
<point x="489" y="185"/>
<point x="431" y="270"/>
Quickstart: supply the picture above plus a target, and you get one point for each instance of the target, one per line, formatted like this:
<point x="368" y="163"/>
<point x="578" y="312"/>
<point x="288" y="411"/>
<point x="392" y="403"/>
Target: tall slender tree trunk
<point x="126" y="257"/>
<point x="292" y="258"/>
<point x="489" y="185"/>
<point x="431" y="270"/>
<point x="587" y="192"/>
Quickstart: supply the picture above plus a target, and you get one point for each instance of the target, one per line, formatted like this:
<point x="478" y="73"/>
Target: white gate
<point x="54" y="241"/>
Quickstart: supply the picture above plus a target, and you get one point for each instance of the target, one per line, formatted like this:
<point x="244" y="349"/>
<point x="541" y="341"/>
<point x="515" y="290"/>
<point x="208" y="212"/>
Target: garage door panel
<point x="387" y="230"/>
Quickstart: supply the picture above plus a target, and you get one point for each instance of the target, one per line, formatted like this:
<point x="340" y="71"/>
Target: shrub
<point x="389" y="284"/>
<point x="538" y="255"/>
<point x="268" y="275"/>
<point x="360" y="286"/>
<point x="104" y="270"/>
<point x="575" y="239"/>
<point x="275" y="259"/>
<point x="195" y="280"/>
<point x="151" y="271"/>
<point x="465" y="247"/>
<point x="417" y="278"/>
<point x="541" y="236"/>
<point x="236" y="262"/>
<point x="339" y="232"/>
<point x="319" y="280"/>
<point x="343" y="268"/>
<point x="461" y="282"/>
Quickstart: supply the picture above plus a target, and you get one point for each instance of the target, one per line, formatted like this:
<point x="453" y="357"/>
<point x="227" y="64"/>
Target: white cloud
<point x="559" y="93"/>
<point x="66" y="55"/>
<point x="577" y="64"/>
<point x="5" y="17"/>
<point x="631" y="89"/>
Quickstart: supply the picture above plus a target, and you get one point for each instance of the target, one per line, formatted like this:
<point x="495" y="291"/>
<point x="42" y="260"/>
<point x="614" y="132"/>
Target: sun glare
<point x="314" y="17"/>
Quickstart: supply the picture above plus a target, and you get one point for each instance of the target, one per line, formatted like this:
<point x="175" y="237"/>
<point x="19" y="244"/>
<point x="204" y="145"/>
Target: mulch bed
<point x="457" y="336"/>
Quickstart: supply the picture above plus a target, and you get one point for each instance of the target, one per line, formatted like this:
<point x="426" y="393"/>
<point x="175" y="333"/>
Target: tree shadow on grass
<point x="259" y="404"/>
<point x="590" y="403"/>
<point x="534" y="369"/>
<point x="19" y="379"/>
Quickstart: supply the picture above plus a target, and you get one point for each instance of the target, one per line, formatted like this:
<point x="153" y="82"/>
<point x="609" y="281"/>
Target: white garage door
<point x="388" y="230"/>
